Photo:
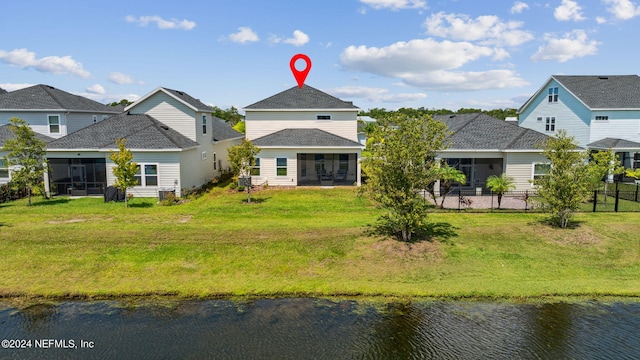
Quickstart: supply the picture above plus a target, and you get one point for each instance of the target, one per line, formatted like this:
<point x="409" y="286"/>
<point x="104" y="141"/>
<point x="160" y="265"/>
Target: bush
<point x="240" y="188"/>
<point x="170" y="199"/>
<point x="7" y="193"/>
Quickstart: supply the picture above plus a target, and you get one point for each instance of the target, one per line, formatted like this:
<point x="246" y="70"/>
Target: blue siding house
<point x="600" y="112"/>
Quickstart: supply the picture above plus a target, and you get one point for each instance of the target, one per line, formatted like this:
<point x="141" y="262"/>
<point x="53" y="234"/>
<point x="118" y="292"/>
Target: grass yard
<point x="304" y="242"/>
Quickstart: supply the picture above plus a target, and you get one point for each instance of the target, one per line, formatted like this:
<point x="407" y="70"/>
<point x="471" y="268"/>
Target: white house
<point x="306" y="137"/>
<point x="601" y="112"/>
<point x="175" y="140"/>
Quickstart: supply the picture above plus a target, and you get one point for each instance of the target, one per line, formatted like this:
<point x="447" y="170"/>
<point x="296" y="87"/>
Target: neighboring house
<point x="306" y="137"/>
<point x="52" y="112"/>
<point x="482" y="145"/>
<point x="6" y="134"/>
<point x="174" y="138"/>
<point x="601" y="112"/>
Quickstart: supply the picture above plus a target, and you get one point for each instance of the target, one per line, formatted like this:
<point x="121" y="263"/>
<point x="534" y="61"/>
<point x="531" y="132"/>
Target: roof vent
<point x="180" y="93"/>
<point x="603" y="77"/>
<point x="164" y="127"/>
<point x="452" y="116"/>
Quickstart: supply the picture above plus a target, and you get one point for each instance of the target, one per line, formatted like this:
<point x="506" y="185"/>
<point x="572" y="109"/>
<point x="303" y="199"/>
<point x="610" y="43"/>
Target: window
<point x="323" y="117"/>
<point x="203" y="156"/>
<point x="256" y="169"/>
<point x="539" y="118"/>
<point x="602" y="117"/>
<point x="553" y="94"/>
<point x="95" y="119"/>
<point x="550" y="124"/>
<point x="204" y="124"/>
<point x="54" y="124"/>
<point x="104" y="117"/>
<point x="4" y="171"/>
<point x="281" y="166"/>
<point x="540" y="170"/>
<point x="214" y="162"/>
<point x="636" y="161"/>
<point x="147" y="175"/>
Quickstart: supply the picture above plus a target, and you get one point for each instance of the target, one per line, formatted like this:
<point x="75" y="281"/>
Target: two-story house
<point x="53" y="112"/>
<point x="306" y="137"/>
<point x="601" y="112"/>
<point x="175" y="140"/>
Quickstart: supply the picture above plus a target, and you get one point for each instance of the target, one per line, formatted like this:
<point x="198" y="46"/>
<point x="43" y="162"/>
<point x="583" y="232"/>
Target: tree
<point x="123" y="102"/>
<point x="401" y="162"/>
<point x="26" y="157"/>
<point x="603" y="165"/>
<point x="567" y="183"/>
<point x="634" y="173"/>
<point x="230" y="115"/>
<point x="500" y="185"/>
<point x="243" y="160"/>
<point x="448" y="176"/>
<point x="125" y="170"/>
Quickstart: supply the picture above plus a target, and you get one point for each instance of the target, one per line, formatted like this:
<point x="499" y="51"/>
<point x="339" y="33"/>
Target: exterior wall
<point x="3" y="179"/>
<point x="168" y="172"/>
<point x="38" y="121"/>
<point x="77" y="121"/>
<point x="571" y="115"/>
<point x="171" y="112"/>
<point x="622" y="124"/>
<point x="520" y="167"/>
<point x="261" y="123"/>
<point x="221" y="149"/>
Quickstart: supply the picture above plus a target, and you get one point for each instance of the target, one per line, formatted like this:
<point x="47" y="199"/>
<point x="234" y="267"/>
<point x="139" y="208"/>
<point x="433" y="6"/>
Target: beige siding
<point x="520" y="167"/>
<point x="268" y="167"/>
<point x="171" y="112"/>
<point x="168" y="172"/>
<point x="261" y="123"/>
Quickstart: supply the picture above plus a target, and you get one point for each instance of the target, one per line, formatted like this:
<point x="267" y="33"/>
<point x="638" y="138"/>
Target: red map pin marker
<point x="300" y="75"/>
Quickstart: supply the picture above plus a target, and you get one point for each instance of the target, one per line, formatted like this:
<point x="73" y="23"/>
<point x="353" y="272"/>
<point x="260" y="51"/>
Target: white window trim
<point x="143" y="179"/>
<point x="59" y="123"/>
<point x="95" y="118"/>
<point x="204" y="124"/>
<point x="203" y="155"/>
<point x="550" y="124"/>
<point x="286" y="167"/>
<point x="533" y="170"/>
<point x="4" y="167"/>
<point x="258" y="166"/>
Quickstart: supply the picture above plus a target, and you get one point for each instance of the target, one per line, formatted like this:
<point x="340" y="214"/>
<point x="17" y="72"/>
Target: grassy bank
<point x="304" y="242"/>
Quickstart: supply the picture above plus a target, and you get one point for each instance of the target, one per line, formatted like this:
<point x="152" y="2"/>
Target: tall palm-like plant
<point x="500" y="185"/>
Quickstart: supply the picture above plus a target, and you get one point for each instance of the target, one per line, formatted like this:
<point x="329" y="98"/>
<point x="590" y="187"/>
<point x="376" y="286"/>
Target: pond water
<point x="303" y="328"/>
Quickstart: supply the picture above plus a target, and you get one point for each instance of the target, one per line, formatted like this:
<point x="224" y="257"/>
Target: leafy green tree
<point x="230" y="115"/>
<point x="125" y="169"/>
<point x="26" y="157"/>
<point x="633" y="173"/>
<point x="123" y="102"/>
<point x="448" y="177"/>
<point x="243" y="160"/>
<point x="401" y="163"/>
<point x="500" y="185"/>
<point x="567" y="183"/>
<point x="602" y="165"/>
<point x="240" y="127"/>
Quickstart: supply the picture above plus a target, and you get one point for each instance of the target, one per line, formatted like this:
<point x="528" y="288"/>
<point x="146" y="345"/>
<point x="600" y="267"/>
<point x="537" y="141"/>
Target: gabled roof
<point x="305" y="98"/>
<point x="2" y="91"/>
<point x="304" y="138"/>
<point x="222" y="131"/>
<point x="142" y="132"/>
<point x="45" y="97"/>
<point x="181" y="96"/>
<point x="599" y="91"/>
<point x="6" y="134"/>
<point x="614" y="144"/>
<point x="479" y="131"/>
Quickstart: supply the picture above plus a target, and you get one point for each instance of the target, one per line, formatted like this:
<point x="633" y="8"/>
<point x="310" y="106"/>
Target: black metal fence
<point x="616" y="197"/>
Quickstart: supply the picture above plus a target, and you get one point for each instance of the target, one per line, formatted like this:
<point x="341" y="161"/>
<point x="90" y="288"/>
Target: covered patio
<point x="327" y="169"/>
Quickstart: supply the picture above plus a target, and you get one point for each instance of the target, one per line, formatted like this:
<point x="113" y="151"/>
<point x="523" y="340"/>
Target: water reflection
<point x="315" y="328"/>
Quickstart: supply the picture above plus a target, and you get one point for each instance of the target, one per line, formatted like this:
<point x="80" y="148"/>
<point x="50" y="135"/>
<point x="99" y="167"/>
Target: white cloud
<point x="568" y="10"/>
<point x="571" y="45"/>
<point x="623" y="9"/>
<point x="14" y="87"/>
<point x="519" y="7"/>
<point x="377" y="95"/>
<point x="122" y="79"/>
<point x="108" y="98"/>
<point x="395" y="4"/>
<point x="244" y="35"/>
<point x="430" y="64"/>
<point x="162" y="23"/>
<point x="299" y="38"/>
<point x="96" y="89"/>
<point x="50" y="64"/>
<point x="601" y="20"/>
<point x="488" y="29"/>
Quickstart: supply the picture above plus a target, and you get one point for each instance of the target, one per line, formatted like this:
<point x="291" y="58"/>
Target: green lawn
<point x="305" y="242"/>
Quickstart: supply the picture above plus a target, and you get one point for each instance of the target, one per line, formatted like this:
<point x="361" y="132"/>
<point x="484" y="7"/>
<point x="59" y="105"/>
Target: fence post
<point x="637" y="185"/>
<point x="526" y="200"/>
<point x="459" y="196"/>
<point x="617" y="198"/>
<point x="595" y="199"/>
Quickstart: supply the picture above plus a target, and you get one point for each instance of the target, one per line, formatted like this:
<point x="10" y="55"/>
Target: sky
<point x="377" y="53"/>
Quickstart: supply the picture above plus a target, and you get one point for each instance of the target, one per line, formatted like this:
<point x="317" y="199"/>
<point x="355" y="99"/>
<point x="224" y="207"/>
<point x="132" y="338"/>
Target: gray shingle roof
<point x="479" y="131"/>
<point x="2" y="91"/>
<point x="45" y="97"/>
<point x="196" y="103"/>
<point x="306" y="97"/>
<point x="6" y="134"/>
<point x="604" y="92"/>
<point x="141" y="132"/>
<point x="304" y="138"/>
<point x="611" y="143"/>
<point x="222" y="131"/>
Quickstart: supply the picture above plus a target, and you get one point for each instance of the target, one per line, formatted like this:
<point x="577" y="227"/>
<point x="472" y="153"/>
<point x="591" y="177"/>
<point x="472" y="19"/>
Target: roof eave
<point x="318" y="109"/>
